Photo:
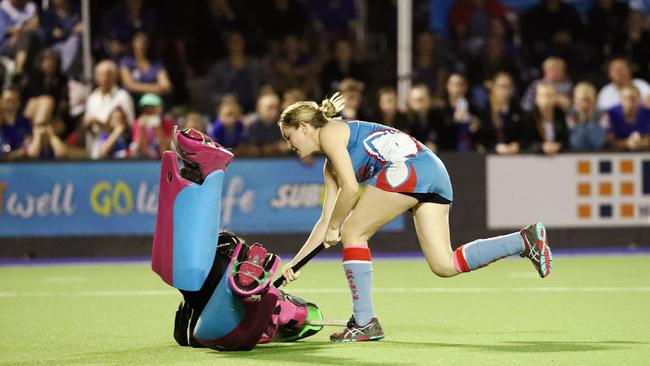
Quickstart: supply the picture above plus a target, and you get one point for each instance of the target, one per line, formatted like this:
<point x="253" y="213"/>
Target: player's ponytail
<point x="331" y="106"/>
<point x="312" y="113"/>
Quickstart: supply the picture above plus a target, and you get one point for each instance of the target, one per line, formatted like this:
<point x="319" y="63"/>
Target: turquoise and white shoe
<point x="357" y="333"/>
<point x="536" y="248"/>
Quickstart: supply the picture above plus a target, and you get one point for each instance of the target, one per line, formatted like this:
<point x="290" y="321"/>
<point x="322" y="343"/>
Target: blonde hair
<point x="312" y="113"/>
<point x="553" y="62"/>
<point x="107" y="65"/>
<point x="633" y="88"/>
<point x="193" y="116"/>
<point x="585" y="88"/>
<point x="545" y="86"/>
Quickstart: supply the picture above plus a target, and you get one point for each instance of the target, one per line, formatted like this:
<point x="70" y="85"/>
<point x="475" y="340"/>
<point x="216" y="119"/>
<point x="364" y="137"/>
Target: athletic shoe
<point x="536" y="248"/>
<point x="198" y="150"/>
<point x="356" y="333"/>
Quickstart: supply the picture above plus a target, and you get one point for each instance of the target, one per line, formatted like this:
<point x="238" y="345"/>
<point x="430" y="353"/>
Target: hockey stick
<point x="278" y="282"/>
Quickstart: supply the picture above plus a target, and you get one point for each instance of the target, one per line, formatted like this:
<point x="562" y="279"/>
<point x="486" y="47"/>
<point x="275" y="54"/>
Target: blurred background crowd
<point x="489" y="76"/>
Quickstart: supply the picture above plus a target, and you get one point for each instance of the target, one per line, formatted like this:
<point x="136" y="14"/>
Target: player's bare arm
<point x="318" y="232"/>
<point x="333" y="139"/>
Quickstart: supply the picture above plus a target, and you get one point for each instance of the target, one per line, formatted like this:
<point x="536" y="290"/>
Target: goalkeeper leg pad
<point x="187" y="226"/>
<point x="228" y="323"/>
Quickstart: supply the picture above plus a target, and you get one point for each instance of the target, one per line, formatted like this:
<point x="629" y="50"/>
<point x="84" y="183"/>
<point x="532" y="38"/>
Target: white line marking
<point x="476" y="289"/>
<point x="385" y="290"/>
<point x="127" y="293"/>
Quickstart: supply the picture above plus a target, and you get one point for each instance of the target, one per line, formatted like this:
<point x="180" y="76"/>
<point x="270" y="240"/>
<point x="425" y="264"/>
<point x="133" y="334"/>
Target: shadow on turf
<point x="302" y="353"/>
<point x="125" y="356"/>
<point x="295" y="353"/>
<point x="526" y="346"/>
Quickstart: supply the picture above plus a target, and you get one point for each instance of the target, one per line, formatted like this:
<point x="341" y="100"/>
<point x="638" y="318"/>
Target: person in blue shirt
<point x="61" y="29"/>
<point x="15" y="129"/>
<point x="400" y="174"/>
<point x="228" y="128"/>
<point x="19" y="34"/>
<point x="629" y="122"/>
<point x="140" y="73"/>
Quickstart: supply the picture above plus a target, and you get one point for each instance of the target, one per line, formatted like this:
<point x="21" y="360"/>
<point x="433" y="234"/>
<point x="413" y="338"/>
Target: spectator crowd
<point x="546" y="78"/>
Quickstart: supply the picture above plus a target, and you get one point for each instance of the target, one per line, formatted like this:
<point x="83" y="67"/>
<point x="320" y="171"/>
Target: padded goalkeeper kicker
<point x="291" y="331"/>
<point x="251" y="269"/>
<point x="199" y="150"/>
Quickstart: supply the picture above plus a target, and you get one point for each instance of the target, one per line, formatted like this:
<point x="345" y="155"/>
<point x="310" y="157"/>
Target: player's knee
<point x="442" y="268"/>
<point x="352" y="235"/>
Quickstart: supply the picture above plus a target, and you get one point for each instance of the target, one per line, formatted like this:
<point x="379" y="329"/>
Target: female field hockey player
<point x="400" y="174"/>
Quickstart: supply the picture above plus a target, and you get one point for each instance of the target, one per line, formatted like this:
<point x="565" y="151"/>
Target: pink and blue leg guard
<point x="229" y="322"/>
<point x="187" y="225"/>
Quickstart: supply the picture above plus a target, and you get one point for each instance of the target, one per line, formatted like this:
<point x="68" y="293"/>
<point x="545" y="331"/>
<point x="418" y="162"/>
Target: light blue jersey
<point x="394" y="161"/>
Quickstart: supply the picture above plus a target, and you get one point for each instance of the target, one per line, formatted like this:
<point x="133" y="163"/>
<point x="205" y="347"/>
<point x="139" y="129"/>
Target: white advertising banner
<point x="570" y="191"/>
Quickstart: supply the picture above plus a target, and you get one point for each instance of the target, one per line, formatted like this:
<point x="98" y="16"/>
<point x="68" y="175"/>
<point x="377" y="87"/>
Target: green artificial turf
<point x="590" y="311"/>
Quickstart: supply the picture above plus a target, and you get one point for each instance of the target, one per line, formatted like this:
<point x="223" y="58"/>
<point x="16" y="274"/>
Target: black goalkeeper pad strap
<point x="184" y="324"/>
<point x="278" y="282"/>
